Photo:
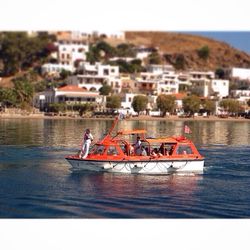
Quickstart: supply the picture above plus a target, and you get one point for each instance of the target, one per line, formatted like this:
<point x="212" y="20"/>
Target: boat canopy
<point x="161" y="140"/>
<point x="131" y="132"/>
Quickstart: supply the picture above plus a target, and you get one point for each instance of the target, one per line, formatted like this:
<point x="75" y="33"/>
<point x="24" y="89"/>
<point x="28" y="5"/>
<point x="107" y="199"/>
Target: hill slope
<point x="175" y="44"/>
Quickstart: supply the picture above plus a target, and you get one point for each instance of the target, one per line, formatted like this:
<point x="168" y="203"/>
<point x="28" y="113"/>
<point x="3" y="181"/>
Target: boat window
<point x="98" y="150"/>
<point x="112" y="151"/>
<point x="184" y="149"/>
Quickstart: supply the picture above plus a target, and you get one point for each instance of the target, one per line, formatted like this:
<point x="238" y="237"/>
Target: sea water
<point x="36" y="180"/>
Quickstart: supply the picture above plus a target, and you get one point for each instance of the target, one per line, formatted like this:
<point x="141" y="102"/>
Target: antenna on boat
<point x="113" y="125"/>
<point x="120" y="117"/>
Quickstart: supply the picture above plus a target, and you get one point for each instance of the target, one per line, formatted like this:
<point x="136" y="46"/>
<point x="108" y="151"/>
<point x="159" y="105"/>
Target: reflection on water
<point x="68" y="133"/>
<point x="137" y="196"/>
<point x="36" y="181"/>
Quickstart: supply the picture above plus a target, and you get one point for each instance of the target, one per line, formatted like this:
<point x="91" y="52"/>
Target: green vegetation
<point x="63" y="108"/>
<point x="204" y="52"/>
<point x="191" y="104"/>
<point x="166" y="103"/>
<point x="113" y="102"/>
<point x="154" y="58"/>
<point x="248" y="102"/>
<point x="231" y="106"/>
<point x="105" y="89"/>
<point x="102" y="51"/>
<point x="128" y="67"/>
<point x="209" y="106"/>
<point x="180" y="62"/>
<point x="64" y="74"/>
<point x="125" y="50"/>
<point x="20" y="96"/>
<point x="220" y="73"/>
<point x="8" y="97"/>
<point x="139" y="103"/>
<point x="20" y="52"/>
<point x="24" y="91"/>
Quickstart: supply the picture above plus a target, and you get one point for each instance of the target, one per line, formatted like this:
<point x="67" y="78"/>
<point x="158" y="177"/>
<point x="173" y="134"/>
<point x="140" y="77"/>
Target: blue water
<point x="36" y="181"/>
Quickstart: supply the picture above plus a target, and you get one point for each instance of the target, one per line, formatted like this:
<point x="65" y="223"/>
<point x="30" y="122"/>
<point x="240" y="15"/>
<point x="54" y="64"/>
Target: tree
<point x="64" y="74"/>
<point x="220" y="73"/>
<point x="136" y="66"/>
<point x="204" y="52"/>
<point x="8" y="97"/>
<point x="209" y="106"/>
<point x="230" y="105"/>
<point x="18" y="51"/>
<point x="24" y="91"/>
<point x="93" y="54"/>
<point x="139" y="103"/>
<point x="191" y="104"/>
<point x="113" y="102"/>
<point x="154" y="58"/>
<point x="166" y="103"/>
<point x="125" y="50"/>
<point x="248" y="102"/>
<point x="180" y="62"/>
<point x="105" y="89"/>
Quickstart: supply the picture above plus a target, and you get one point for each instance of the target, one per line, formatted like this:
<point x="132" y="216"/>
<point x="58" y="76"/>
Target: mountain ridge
<point x="174" y="44"/>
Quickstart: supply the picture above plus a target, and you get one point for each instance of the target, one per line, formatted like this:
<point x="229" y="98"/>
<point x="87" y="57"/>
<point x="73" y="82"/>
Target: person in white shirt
<point x="87" y="139"/>
<point x="137" y="146"/>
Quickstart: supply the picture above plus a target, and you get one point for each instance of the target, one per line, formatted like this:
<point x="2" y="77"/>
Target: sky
<point x="237" y="39"/>
<point x="221" y="19"/>
<point x="218" y="18"/>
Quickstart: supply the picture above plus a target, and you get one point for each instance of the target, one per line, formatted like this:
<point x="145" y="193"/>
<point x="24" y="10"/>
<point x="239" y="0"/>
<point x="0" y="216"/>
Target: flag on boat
<point x="187" y="130"/>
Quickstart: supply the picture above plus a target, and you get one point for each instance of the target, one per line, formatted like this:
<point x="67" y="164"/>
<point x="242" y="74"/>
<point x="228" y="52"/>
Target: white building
<point x="169" y="83"/>
<point x="69" y="95"/>
<point x="92" y="77"/>
<point x="219" y="88"/>
<point x="143" y="52"/>
<point x="160" y="69"/>
<point x="54" y="70"/>
<point x="201" y="81"/>
<point x="241" y="95"/>
<point x="241" y="73"/>
<point x="69" y="52"/>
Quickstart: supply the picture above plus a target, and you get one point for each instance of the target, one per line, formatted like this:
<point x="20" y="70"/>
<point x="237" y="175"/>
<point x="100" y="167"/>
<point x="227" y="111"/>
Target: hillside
<point x="172" y="45"/>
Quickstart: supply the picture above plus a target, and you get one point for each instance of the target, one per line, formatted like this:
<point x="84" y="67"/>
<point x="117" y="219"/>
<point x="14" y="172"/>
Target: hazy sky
<point x="115" y="15"/>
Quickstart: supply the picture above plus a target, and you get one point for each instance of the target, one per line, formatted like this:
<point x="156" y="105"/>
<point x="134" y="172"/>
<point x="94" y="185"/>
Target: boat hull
<point x="139" y="167"/>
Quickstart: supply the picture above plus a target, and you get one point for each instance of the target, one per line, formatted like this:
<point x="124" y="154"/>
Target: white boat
<point x="113" y="154"/>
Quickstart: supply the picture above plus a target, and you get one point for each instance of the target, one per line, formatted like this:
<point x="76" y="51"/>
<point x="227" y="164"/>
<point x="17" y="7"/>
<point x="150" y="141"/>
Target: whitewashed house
<point x="201" y="81"/>
<point x="241" y="95"/>
<point x="92" y="77"/>
<point x="169" y="83"/>
<point x="70" y="95"/>
<point x="219" y="88"/>
<point x="143" y="52"/>
<point x="54" y="70"/>
<point x="69" y="52"/>
<point x="241" y="73"/>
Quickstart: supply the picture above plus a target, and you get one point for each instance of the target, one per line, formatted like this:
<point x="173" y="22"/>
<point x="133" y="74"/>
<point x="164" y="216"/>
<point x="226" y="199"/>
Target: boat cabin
<point x="119" y="147"/>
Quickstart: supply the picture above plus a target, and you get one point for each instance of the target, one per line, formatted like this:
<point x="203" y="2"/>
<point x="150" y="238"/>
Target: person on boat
<point x="154" y="152"/>
<point x="163" y="150"/>
<point x="87" y="139"/>
<point x="137" y="145"/>
<point x="143" y="151"/>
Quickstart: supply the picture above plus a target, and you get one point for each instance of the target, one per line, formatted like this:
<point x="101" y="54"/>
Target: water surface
<point x="36" y="181"/>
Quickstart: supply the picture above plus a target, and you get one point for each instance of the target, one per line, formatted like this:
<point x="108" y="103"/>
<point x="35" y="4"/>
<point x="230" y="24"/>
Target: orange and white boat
<point x="165" y="155"/>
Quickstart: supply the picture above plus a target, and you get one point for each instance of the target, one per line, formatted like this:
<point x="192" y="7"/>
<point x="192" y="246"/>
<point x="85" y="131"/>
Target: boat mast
<point x="113" y="125"/>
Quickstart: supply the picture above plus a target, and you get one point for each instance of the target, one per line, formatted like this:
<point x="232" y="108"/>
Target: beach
<point x="133" y="118"/>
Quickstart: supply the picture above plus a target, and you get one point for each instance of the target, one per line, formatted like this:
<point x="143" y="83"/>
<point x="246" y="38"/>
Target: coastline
<point x="136" y="118"/>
